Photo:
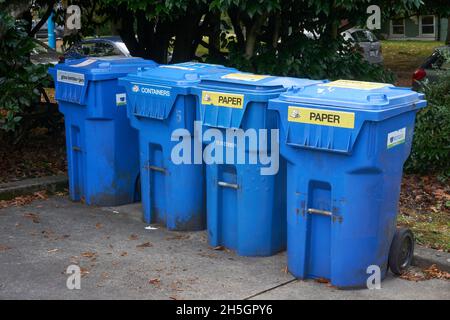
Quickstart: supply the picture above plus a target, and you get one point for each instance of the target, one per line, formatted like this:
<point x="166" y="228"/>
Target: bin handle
<point x="155" y="168"/>
<point x="228" y="185"/>
<point x="322" y="212"/>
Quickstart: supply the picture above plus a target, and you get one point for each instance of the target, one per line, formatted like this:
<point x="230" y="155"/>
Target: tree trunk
<point x="126" y="31"/>
<point x="214" y="35"/>
<point x="159" y="51"/>
<point x="252" y="36"/>
<point x="185" y="36"/>
<point x="44" y="18"/>
<point x="234" y="15"/>
<point x="447" y="39"/>
<point x="145" y="32"/>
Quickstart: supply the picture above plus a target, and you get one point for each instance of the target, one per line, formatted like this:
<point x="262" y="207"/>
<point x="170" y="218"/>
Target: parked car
<point x="367" y="43"/>
<point x="437" y="63"/>
<point x="43" y="54"/>
<point x="363" y="40"/>
<point x="98" y="47"/>
<point x="42" y="33"/>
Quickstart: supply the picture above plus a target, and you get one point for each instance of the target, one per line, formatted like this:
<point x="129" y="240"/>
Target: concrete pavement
<point x="120" y="259"/>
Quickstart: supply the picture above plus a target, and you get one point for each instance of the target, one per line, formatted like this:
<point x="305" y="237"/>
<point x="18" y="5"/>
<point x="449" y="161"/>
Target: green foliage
<point x="431" y="145"/>
<point x="311" y="58"/>
<point x="19" y="78"/>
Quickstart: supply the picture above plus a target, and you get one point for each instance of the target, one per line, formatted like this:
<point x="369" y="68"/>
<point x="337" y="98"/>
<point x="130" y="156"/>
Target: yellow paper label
<point x="221" y="99"/>
<point x="350" y="84"/>
<point x="322" y="117"/>
<point x="244" y="76"/>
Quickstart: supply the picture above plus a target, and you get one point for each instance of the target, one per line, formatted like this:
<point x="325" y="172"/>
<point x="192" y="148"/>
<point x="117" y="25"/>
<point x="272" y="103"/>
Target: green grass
<point x="405" y="56"/>
<point x="432" y="230"/>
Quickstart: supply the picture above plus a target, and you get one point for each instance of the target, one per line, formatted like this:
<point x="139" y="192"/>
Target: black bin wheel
<point x="402" y="251"/>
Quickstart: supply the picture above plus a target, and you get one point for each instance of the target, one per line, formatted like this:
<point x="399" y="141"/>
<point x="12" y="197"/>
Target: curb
<point x="425" y="257"/>
<point x="10" y="190"/>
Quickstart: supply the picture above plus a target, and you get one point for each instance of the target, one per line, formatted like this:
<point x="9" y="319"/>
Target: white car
<point x="366" y="42"/>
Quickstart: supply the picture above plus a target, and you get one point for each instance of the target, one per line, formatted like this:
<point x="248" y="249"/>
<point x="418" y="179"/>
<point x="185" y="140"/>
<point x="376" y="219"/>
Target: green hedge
<point x="431" y="145"/>
<point x="19" y="77"/>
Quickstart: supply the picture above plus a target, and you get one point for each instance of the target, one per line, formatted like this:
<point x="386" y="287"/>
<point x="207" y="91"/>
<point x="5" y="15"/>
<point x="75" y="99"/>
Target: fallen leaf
<point x="144" y="245"/>
<point x="219" y="248"/>
<point x="33" y="216"/>
<point x="41" y="194"/>
<point x="4" y="248"/>
<point x="412" y="276"/>
<point x="88" y="254"/>
<point x="322" y="280"/>
<point x="434" y="272"/>
<point x="133" y="237"/>
<point x="98" y="226"/>
<point x="154" y="281"/>
<point x="84" y="271"/>
<point x="123" y="254"/>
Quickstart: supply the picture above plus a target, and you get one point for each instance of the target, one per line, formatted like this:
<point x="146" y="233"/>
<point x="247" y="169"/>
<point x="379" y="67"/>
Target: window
<point x="97" y="49"/>
<point x="398" y="27"/>
<point x="427" y="25"/>
<point x="105" y="49"/>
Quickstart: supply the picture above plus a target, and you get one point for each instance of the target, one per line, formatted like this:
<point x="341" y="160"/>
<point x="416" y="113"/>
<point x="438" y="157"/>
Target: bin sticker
<point x="70" y="77"/>
<point x="121" y="99"/>
<point x="350" y="84"/>
<point x="244" y="76"/>
<point x="178" y="67"/>
<point x="155" y="90"/>
<point x="322" y="117"/>
<point x="395" y="138"/>
<point x="221" y="99"/>
<point x="84" y="63"/>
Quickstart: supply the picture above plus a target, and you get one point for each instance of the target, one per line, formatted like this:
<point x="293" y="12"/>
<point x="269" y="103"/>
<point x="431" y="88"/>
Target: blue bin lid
<point x="253" y="83"/>
<point x="360" y="95"/>
<point x="103" y="68"/>
<point x="180" y="74"/>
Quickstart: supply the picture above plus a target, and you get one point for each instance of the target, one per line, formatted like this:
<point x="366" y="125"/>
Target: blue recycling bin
<point x="345" y="143"/>
<point x="245" y="193"/>
<point x="163" y="110"/>
<point x="102" y="147"/>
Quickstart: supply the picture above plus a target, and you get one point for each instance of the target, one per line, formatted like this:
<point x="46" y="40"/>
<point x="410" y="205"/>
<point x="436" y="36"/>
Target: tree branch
<point x="44" y="18"/>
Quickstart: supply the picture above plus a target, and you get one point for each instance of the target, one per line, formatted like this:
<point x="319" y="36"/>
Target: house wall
<point x="412" y="30"/>
<point x="443" y="29"/>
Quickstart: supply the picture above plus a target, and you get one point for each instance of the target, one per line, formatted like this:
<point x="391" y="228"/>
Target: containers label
<point x="157" y="91"/>
<point x="322" y="117"/>
<point x="395" y="138"/>
<point x="221" y="99"/>
<point x="350" y="84"/>
<point x="70" y="77"/>
<point x="244" y="76"/>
